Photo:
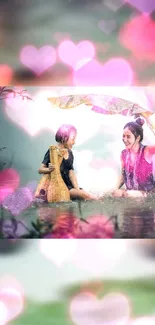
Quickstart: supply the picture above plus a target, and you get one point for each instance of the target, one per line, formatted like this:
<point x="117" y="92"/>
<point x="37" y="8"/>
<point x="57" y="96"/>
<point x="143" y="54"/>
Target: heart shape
<point x="142" y="5"/>
<point x="105" y="258"/>
<point x="38" y="60"/>
<point x="113" y="5"/>
<point x="58" y="251"/>
<point x="86" y="309"/>
<point x="76" y="55"/>
<point x="30" y="115"/>
<point x="107" y="26"/>
<point x="115" y="72"/>
<point x="35" y="116"/>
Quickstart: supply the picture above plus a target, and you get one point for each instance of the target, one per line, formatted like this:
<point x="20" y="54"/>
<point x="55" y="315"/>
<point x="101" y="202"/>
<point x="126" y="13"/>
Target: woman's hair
<point x="136" y="128"/>
<point x="63" y="133"/>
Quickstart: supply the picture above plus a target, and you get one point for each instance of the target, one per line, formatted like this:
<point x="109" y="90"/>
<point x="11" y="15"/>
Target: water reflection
<point x="138" y="223"/>
<point x="110" y="218"/>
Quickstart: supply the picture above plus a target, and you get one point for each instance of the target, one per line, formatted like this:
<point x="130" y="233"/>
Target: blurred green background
<point x="141" y="294"/>
<point x="48" y="288"/>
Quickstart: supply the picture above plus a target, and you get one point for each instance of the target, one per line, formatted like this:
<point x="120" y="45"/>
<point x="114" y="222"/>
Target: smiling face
<point x="71" y="141"/>
<point x="129" y="139"/>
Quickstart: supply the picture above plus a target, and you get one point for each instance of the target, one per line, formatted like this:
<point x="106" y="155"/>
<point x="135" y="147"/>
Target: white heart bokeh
<point x="34" y="116"/>
<point x="86" y="309"/>
<point x="97" y="255"/>
<point x="54" y="280"/>
<point x="58" y="251"/>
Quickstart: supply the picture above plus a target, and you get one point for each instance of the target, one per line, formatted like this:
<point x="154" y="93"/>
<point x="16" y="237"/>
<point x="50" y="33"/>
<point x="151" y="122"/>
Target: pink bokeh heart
<point x="58" y="251"/>
<point x="107" y="26"/>
<point x="76" y="55"/>
<point x="115" y="72"/>
<point x="142" y="5"/>
<point x="38" y="60"/>
<point x="86" y="309"/>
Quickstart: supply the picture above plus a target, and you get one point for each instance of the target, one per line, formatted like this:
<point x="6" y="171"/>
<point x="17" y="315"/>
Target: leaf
<point x="2" y="89"/>
<point x="84" y="220"/>
<point x="2" y="148"/>
<point x="29" y="98"/>
<point x="5" y="91"/>
<point x="36" y="227"/>
<point x="15" y="224"/>
<point x="25" y="236"/>
<point x="1" y="222"/>
<point x="9" y="91"/>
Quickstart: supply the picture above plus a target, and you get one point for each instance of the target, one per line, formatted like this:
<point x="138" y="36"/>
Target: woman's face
<point x="71" y="141"/>
<point x="129" y="139"/>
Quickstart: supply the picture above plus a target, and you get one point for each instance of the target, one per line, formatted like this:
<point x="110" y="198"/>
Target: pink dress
<point x="140" y="176"/>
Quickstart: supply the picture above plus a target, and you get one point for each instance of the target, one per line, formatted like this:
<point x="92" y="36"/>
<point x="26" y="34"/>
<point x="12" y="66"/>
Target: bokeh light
<point x="58" y="251"/>
<point x="76" y="55"/>
<point x="38" y="60"/>
<point x="142" y="5"/>
<point x="98" y="180"/>
<point x="104" y="255"/>
<point x="138" y="36"/>
<point x="9" y="181"/>
<point x="115" y="72"/>
<point x="6" y="74"/>
<point x="32" y="118"/>
<point x="86" y="309"/>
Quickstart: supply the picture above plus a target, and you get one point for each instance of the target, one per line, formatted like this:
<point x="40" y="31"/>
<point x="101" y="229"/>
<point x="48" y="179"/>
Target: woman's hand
<point x="134" y="193"/>
<point x="118" y="193"/>
<point x="51" y="167"/>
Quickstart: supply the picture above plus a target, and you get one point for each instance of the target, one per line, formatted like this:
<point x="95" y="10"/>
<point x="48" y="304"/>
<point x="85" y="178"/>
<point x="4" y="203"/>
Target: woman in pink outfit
<point x="137" y="163"/>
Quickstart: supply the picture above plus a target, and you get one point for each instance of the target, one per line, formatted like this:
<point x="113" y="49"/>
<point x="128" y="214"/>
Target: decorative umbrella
<point x="70" y="101"/>
<point x="105" y="104"/>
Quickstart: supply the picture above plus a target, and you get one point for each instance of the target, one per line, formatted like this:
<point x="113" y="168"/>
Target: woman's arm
<point x="73" y="179"/>
<point x="46" y="170"/>
<point x="46" y="167"/>
<point x="120" y="182"/>
<point x="43" y="169"/>
<point x="118" y="191"/>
